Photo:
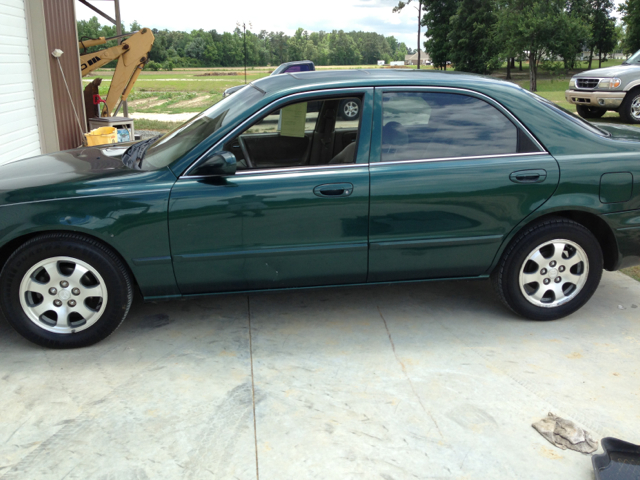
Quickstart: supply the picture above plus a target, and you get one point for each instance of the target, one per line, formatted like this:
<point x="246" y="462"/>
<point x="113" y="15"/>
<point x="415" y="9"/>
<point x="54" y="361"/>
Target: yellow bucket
<point x="101" y="136"/>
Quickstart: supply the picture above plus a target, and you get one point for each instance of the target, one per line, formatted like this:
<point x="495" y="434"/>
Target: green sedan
<point x="441" y="176"/>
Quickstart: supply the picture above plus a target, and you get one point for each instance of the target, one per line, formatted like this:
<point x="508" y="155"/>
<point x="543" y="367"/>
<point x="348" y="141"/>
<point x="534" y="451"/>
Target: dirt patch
<point x="147" y="102"/>
<point x="164" y="117"/>
<point x="192" y="103"/>
<point x="216" y="74"/>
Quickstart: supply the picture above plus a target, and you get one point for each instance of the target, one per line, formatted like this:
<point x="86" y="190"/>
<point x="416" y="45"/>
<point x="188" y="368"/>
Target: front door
<point x="452" y="173"/>
<point x="294" y="214"/>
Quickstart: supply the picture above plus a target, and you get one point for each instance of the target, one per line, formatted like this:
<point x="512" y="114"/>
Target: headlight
<point x="572" y="83"/>
<point x="610" y="83"/>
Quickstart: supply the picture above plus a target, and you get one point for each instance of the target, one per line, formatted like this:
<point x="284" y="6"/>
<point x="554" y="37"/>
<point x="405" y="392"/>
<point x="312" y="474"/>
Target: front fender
<point x="134" y="224"/>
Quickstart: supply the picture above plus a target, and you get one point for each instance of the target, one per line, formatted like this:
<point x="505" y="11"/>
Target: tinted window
<point x="569" y="116"/>
<point x="305" y="67"/>
<point x="419" y="125"/>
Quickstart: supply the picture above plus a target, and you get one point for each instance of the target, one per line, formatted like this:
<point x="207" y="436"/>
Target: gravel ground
<point x="146" y="134"/>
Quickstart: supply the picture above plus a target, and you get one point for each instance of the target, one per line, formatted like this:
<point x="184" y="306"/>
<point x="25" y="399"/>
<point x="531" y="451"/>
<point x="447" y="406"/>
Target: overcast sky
<point x="277" y="15"/>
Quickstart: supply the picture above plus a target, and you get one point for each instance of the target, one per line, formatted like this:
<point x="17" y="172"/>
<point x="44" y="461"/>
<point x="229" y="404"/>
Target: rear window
<point x="298" y="68"/>
<point x="569" y="116"/>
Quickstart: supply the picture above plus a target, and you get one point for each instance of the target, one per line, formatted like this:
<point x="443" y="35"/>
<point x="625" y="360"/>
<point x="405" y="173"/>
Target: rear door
<point x="452" y="173"/>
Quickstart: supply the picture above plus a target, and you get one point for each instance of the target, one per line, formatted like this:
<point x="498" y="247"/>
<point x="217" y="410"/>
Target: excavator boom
<point x="132" y="55"/>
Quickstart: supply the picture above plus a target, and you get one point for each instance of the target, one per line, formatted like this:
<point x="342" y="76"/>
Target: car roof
<point x="322" y="79"/>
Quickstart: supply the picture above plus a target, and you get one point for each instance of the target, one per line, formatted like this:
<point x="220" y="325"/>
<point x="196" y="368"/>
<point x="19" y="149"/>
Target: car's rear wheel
<point x="590" y="112"/>
<point x="550" y="270"/>
<point x="630" y="108"/>
<point x="64" y="291"/>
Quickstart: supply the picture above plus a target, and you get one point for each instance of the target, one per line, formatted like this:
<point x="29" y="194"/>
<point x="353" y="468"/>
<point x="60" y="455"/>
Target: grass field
<point x="191" y="90"/>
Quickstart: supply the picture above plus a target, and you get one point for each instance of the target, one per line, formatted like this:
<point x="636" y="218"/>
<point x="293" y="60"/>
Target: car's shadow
<point x="444" y="301"/>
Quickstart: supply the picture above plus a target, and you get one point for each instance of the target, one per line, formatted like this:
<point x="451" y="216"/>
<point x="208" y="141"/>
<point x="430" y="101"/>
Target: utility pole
<point x="244" y="41"/>
<point x="419" y="25"/>
<point x="398" y="8"/>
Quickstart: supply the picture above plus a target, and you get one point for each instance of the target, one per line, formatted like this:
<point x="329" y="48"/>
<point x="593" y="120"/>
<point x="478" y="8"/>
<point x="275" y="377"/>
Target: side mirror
<point x="216" y="164"/>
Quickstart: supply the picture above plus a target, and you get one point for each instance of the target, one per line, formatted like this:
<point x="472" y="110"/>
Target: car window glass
<point x="423" y="125"/>
<point x="309" y="133"/>
<point x="635" y="58"/>
<point x="569" y="116"/>
<point x="181" y="140"/>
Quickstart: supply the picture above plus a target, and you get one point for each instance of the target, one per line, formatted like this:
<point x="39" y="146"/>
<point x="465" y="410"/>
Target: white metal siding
<point x="19" y="137"/>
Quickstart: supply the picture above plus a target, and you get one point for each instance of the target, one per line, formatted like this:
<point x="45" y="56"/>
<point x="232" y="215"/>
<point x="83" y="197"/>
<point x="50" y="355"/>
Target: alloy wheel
<point x="554" y="273"/>
<point x="63" y="295"/>
<point x="350" y="109"/>
<point x="635" y="108"/>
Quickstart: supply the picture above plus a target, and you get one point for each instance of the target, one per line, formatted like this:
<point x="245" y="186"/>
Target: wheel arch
<point x="635" y="85"/>
<point x="592" y="222"/>
<point x="12" y="245"/>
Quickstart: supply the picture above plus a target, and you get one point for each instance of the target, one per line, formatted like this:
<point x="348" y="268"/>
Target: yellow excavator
<point x="132" y="55"/>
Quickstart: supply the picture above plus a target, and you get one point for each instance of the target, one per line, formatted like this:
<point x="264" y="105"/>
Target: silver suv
<point x="612" y="88"/>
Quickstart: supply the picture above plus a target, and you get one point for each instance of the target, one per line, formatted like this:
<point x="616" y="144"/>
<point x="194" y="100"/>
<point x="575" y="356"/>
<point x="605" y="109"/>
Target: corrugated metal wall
<point x="19" y="136"/>
<point x="60" y="18"/>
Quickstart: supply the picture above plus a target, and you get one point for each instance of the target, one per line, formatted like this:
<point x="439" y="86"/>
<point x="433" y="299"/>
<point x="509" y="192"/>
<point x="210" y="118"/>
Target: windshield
<point x="180" y="141"/>
<point x="635" y="58"/>
<point x="570" y="116"/>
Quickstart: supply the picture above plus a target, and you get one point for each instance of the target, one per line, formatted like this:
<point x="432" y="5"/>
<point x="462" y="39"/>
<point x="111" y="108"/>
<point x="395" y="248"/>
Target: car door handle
<point x="334" y="190"/>
<point x="528" y="176"/>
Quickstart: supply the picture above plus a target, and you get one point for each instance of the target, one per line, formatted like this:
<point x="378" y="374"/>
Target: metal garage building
<point x="36" y="109"/>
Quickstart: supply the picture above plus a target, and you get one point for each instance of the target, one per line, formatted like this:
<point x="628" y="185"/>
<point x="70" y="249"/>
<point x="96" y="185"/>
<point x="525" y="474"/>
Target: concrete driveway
<point x="430" y="380"/>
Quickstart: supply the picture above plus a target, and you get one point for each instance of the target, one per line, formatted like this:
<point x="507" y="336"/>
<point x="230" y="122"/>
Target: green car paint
<point x="184" y="235"/>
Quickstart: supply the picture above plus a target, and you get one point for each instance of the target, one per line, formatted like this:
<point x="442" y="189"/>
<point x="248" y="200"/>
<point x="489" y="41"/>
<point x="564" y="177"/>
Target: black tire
<point x="350" y="109"/>
<point x="506" y="276"/>
<point x="626" y="109"/>
<point x="590" y="112"/>
<point x="113" y="278"/>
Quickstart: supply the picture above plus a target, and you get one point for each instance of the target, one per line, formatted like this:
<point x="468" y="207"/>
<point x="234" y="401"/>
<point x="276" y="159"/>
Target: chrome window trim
<point x="250" y="120"/>
<point x="408" y="88"/>
<point x="301" y="169"/>
<point x="446" y="159"/>
<point x="504" y="110"/>
<point x="296" y="169"/>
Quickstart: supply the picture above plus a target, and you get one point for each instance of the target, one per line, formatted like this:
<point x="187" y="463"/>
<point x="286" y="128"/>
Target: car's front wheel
<point x="590" y="112"/>
<point x="550" y="270"/>
<point x="630" y="108"/>
<point x="64" y="291"/>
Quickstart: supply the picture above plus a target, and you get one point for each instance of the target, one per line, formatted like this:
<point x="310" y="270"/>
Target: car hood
<point x="620" y="132"/>
<point x="71" y="173"/>
<point x="616" y="71"/>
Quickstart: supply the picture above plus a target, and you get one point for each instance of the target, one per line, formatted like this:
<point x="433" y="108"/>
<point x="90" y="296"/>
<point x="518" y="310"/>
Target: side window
<point x="423" y="125"/>
<point x="300" y="134"/>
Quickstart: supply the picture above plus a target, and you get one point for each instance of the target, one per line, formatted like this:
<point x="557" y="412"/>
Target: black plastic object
<point x="620" y="460"/>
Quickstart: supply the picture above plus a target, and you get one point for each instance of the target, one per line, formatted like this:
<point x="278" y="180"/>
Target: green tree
<point x="630" y="10"/>
<point x="297" y="44"/>
<point x="343" y="49"/>
<point x="538" y="27"/>
<point x="603" y="35"/>
<point x="437" y="19"/>
<point x="473" y="47"/>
